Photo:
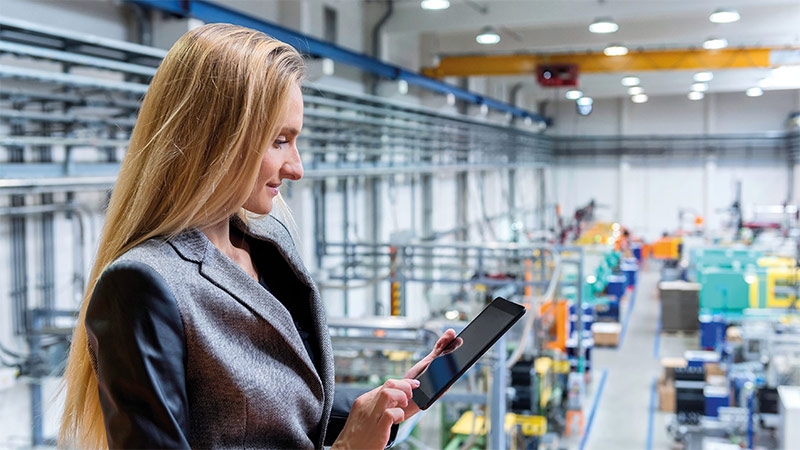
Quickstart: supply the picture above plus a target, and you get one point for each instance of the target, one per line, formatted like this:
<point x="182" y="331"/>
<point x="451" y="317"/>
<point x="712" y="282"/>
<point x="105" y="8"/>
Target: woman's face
<point x="281" y="159"/>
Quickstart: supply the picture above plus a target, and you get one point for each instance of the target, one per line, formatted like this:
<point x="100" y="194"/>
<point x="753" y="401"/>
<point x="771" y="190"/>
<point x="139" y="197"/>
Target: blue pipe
<point x="210" y="12"/>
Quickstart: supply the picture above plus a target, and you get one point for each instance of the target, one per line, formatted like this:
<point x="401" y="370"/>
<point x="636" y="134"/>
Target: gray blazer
<point x="242" y="379"/>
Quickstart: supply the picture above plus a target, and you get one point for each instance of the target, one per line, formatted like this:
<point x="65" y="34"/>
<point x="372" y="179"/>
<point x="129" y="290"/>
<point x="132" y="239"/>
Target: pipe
<point x="85" y="228"/>
<point x="212" y="12"/>
<point x="144" y="28"/>
<point x="376" y="41"/>
<point x="513" y="99"/>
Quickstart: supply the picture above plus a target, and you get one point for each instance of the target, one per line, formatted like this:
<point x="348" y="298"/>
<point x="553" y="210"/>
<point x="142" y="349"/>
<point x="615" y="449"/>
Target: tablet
<point x="476" y="338"/>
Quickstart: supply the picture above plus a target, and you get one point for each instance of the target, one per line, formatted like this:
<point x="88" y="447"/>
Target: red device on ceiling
<point x="557" y="75"/>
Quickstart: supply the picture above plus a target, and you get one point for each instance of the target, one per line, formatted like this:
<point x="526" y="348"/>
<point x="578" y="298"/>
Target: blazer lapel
<point x="271" y="229"/>
<point x="228" y="276"/>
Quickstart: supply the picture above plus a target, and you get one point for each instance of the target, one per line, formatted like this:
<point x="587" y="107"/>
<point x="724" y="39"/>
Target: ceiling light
<point x="783" y="77"/>
<point x="754" y="92"/>
<point x="724" y="16"/>
<point x="484" y="109"/>
<point x="700" y="87"/>
<point x="573" y="94"/>
<point x="603" y="25"/>
<point x="639" y="98"/>
<point x="615" y="50"/>
<point x="488" y="36"/>
<point x="451" y="99"/>
<point x="585" y="101"/>
<point x="635" y="90"/>
<point x="630" y="81"/>
<point x="715" y="43"/>
<point x="703" y="77"/>
<point x="435" y="4"/>
<point x="402" y="87"/>
<point x="696" y="95"/>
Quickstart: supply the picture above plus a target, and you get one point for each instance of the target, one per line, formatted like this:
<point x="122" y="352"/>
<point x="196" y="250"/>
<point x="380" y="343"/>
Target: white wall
<point x="99" y="17"/>
<point x="726" y="113"/>
<point x="648" y="194"/>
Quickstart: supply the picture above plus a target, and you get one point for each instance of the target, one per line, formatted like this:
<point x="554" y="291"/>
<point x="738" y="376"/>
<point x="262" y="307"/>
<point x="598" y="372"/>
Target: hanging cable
<point x="548" y="297"/>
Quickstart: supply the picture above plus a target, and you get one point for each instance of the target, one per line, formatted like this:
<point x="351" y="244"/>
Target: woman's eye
<point x="280" y="142"/>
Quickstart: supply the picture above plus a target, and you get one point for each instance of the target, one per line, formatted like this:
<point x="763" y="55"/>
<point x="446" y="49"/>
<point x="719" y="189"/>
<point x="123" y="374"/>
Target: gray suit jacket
<point x="191" y="351"/>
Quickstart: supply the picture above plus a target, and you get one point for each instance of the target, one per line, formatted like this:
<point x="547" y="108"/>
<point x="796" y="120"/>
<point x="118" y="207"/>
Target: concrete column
<point x="709" y="113"/>
<point x="622" y="175"/>
<point x="623" y="105"/>
<point x="541" y="198"/>
<point x="709" y="175"/>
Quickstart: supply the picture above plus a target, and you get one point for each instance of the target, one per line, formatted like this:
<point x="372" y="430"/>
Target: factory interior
<point x="627" y="170"/>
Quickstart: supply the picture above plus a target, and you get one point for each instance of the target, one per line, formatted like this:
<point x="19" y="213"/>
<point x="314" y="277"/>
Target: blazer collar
<point x="215" y="266"/>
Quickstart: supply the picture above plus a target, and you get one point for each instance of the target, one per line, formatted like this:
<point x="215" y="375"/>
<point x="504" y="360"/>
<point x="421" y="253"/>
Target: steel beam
<point x="211" y="12"/>
<point x="642" y="60"/>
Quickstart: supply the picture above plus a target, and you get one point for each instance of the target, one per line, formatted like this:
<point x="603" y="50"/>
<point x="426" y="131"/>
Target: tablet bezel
<point x="423" y="399"/>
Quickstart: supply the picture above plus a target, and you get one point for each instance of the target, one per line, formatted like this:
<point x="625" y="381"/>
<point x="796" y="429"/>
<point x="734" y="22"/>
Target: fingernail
<point x="415" y="383"/>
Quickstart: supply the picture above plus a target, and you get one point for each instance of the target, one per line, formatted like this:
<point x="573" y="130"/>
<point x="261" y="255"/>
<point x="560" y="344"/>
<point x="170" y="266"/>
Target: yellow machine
<point x="469" y="424"/>
<point x="774" y="286"/>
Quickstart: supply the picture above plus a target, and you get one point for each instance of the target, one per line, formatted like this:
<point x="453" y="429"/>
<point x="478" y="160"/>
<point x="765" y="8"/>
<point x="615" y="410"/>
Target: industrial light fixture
<point x="754" y="92"/>
<point x="615" y="50"/>
<point x="484" y="109"/>
<point x="573" y="94"/>
<point x="402" y="87"/>
<point x="435" y="4"/>
<point x="703" y="77"/>
<point x="715" y="43"/>
<point x="630" y="81"/>
<point x="328" y="66"/>
<point x="635" y="90"/>
<point x="451" y="99"/>
<point x="699" y="87"/>
<point x="603" y="25"/>
<point x="724" y="16"/>
<point x="696" y="95"/>
<point x="488" y="36"/>
<point x="584" y="105"/>
<point x="639" y="98"/>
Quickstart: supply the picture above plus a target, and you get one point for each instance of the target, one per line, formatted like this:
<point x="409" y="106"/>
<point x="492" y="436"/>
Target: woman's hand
<point x="443" y="346"/>
<point x="372" y="415"/>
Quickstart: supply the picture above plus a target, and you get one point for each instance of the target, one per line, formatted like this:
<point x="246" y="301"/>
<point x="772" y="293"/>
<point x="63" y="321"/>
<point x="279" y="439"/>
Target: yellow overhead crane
<point x="635" y="60"/>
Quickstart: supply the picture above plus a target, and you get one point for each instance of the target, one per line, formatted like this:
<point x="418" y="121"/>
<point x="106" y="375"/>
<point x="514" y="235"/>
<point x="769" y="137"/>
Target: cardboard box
<point x="733" y="334"/>
<point x="713" y="370"/>
<point x="670" y="364"/>
<point x="666" y="396"/>
<point x="606" y="334"/>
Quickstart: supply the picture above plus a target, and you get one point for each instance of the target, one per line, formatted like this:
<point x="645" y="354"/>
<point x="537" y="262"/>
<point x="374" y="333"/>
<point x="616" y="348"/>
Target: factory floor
<point x="622" y="410"/>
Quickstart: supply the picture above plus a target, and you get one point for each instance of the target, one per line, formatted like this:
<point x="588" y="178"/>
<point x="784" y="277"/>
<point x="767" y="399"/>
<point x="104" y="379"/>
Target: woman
<point x="201" y="327"/>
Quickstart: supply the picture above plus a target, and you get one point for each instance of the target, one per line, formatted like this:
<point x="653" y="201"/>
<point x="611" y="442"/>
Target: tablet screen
<point x="477" y="337"/>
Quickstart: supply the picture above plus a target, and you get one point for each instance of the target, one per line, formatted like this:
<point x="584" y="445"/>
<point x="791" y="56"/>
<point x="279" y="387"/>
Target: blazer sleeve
<point x="137" y="344"/>
<point x="343" y="398"/>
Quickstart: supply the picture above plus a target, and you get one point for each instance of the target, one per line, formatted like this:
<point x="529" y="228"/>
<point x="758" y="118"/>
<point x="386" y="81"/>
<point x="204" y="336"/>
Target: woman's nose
<point x="293" y="168"/>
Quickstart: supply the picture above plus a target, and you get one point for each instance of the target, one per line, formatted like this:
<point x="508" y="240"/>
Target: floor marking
<point x="627" y="318"/>
<point x="594" y="408"/>
<point x="652" y="414"/>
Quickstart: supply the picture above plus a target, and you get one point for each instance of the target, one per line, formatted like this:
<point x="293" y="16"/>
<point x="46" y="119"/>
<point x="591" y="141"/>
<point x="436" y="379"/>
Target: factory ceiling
<point x="664" y="40"/>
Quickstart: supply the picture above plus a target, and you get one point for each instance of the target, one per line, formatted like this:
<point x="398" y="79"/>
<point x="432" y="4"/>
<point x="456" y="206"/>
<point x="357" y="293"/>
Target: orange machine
<point x="667" y="247"/>
<point x="555" y="316"/>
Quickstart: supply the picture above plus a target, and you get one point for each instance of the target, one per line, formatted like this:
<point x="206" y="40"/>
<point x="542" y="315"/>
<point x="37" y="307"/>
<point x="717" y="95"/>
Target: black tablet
<point x="476" y="338"/>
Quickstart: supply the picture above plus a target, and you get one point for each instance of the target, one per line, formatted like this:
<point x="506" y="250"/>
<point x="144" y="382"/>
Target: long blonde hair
<point x="212" y="107"/>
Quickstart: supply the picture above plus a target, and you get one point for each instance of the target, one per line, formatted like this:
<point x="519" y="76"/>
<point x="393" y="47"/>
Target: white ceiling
<point x="561" y="26"/>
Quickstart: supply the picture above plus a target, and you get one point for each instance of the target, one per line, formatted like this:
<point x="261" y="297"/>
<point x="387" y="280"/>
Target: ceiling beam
<point x="637" y="60"/>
